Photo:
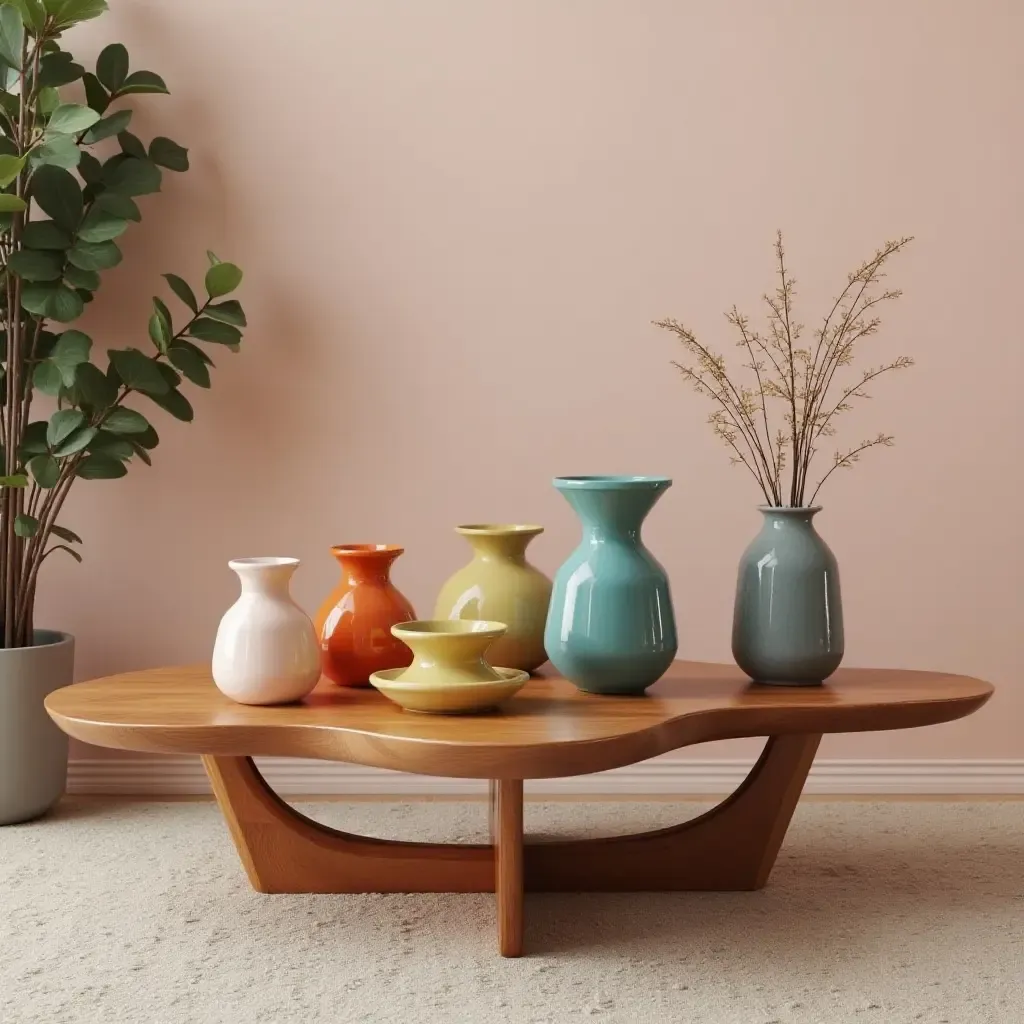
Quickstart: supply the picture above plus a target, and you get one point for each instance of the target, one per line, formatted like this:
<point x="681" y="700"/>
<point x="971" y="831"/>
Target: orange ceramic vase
<point x="354" y="623"/>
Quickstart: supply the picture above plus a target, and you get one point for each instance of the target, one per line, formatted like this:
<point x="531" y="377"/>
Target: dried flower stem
<point x="803" y="382"/>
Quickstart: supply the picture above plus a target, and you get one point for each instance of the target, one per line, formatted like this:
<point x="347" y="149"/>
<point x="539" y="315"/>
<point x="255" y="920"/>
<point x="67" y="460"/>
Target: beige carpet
<point x="879" y="913"/>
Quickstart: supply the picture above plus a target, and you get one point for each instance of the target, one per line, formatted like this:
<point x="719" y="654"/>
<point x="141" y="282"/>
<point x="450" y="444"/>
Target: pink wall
<point x="457" y="219"/>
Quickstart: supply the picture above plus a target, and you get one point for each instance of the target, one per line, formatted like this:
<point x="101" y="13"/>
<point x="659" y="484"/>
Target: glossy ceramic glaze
<point x="266" y="651"/>
<point x="500" y="584"/>
<point x="448" y="673"/>
<point x="354" y="622"/>
<point x="450" y="698"/>
<point x="788" y="618"/>
<point x="610" y="626"/>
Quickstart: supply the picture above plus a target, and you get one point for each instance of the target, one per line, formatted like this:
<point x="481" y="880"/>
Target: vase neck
<point x="784" y="518"/>
<point x="365" y="563"/>
<point x="499" y="543"/>
<point x="613" y="514"/>
<point x="432" y="651"/>
<point x="270" y="576"/>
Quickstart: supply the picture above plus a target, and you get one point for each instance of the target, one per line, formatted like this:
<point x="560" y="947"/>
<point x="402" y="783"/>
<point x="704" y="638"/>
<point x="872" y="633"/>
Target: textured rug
<point x="877" y="913"/>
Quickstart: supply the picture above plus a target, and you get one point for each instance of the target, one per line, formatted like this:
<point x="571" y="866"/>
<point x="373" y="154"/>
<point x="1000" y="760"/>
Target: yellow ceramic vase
<point x="448" y="674"/>
<point x="499" y="584"/>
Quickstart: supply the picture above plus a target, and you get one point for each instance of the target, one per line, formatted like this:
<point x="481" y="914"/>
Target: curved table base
<point x="732" y="847"/>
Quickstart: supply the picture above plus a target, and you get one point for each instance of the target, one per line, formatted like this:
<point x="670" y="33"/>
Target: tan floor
<point x="888" y="912"/>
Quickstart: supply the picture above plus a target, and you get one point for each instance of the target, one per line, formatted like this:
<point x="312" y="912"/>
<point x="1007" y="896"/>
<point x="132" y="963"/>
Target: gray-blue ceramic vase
<point x="788" y="620"/>
<point x="610" y="627"/>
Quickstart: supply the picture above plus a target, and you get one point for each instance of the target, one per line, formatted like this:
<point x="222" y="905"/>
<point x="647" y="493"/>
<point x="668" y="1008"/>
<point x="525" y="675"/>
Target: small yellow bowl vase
<point x="448" y="675"/>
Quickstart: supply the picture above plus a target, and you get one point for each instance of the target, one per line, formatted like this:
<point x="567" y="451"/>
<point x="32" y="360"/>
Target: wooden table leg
<point x="508" y="864"/>
<point x="732" y="847"/>
<point x="284" y="851"/>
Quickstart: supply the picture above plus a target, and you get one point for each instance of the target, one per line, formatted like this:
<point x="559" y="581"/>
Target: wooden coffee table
<point x="548" y="730"/>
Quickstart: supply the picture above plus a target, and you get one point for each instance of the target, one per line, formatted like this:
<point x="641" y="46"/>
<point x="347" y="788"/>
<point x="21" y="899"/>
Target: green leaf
<point x="181" y="288"/>
<point x="112" y="66"/>
<point x="101" y="467"/>
<point x="65" y="534"/>
<point x="26" y="525"/>
<point x="222" y="278"/>
<point x="118" y="206"/>
<point x="11" y="204"/>
<point x="126" y="421"/>
<point x="213" y="330"/>
<point x="169" y="154"/>
<point x="159" y="331"/>
<point x="112" y="445"/>
<point x="131" y="145"/>
<point x="63" y="423"/>
<point x="63" y="547"/>
<point x="161" y="306"/>
<point x="12" y="35"/>
<point x="87" y="280"/>
<point x="36" y="264"/>
<point x="101" y="226"/>
<point x="92" y="387"/>
<point x="190" y="364"/>
<point x="48" y="99"/>
<point x="95" y="95"/>
<point x="95" y="255"/>
<point x="69" y="12"/>
<point x="60" y="151"/>
<point x="229" y="312"/>
<point x="53" y="301"/>
<point x="72" y="349"/>
<point x="89" y="168"/>
<point x="44" y="234"/>
<point x="132" y="177"/>
<point x="57" y="69"/>
<point x="76" y="442"/>
<point x="58" y="194"/>
<point x="33" y="440"/>
<point x="107" y="126"/>
<point x="138" y="371"/>
<point x="10" y="168"/>
<point x="141" y="81"/>
<point x="176" y="404"/>
<point x="142" y="453"/>
<point x="45" y="470"/>
<point x="71" y="118"/>
<point x="169" y="374"/>
<point x="182" y="343"/>
<point x="47" y="378"/>
<point x="33" y="13"/>
<point x="17" y="480"/>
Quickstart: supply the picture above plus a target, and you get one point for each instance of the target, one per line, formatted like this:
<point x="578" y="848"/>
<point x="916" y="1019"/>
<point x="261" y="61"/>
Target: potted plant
<point x="787" y="621"/>
<point x="71" y="172"/>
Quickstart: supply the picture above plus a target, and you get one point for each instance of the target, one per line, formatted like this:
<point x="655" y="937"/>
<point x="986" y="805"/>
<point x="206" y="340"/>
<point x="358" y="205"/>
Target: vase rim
<point x="365" y="550"/>
<point x="789" y="509"/>
<point x="449" y="627"/>
<point x="498" y="529"/>
<point x="262" y="562"/>
<point x="611" y="482"/>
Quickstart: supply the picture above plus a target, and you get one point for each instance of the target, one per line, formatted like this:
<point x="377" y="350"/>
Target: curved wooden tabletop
<point x="549" y="729"/>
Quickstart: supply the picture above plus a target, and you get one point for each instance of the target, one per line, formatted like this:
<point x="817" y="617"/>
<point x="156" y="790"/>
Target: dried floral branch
<point x="797" y="380"/>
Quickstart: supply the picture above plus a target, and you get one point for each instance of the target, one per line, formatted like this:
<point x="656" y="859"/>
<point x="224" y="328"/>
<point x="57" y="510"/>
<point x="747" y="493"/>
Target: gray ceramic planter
<point x="33" y="751"/>
<point x="788" y="619"/>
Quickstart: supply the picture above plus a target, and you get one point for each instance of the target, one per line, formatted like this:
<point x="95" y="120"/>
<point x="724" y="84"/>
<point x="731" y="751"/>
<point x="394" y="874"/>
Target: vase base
<point x="787" y="682"/>
<point x="613" y="693"/>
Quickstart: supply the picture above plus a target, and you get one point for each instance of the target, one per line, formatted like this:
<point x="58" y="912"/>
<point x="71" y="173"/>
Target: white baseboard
<point x="184" y="775"/>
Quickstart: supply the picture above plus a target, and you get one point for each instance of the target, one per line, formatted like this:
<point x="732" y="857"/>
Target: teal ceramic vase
<point x="788" y="619"/>
<point x="610" y="626"/>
